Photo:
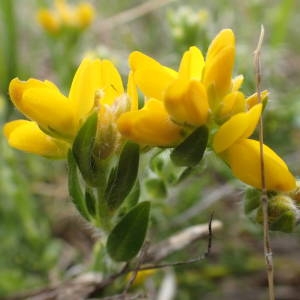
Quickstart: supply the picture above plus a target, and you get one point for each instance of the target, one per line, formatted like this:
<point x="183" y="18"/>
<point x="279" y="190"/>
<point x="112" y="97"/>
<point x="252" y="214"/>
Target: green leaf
<point x="127" y="238"/>
<point x="190" y="152"/>
<point x="75" y="187"/>
<point x="133" y="197"/>
<point x="122" y="177"/>
<point x="83" y="147"/>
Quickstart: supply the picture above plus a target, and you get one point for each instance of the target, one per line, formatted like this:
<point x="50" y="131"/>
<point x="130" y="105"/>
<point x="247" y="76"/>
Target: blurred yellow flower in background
<point x="65" y="15"/>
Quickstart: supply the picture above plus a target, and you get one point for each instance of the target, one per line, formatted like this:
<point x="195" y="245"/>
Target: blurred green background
<point x="44" y="241"/>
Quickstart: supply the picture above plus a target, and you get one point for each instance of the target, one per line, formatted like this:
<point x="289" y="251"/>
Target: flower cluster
<point x="203" y="93"/>
<point x="55" y="119"/>
<point x="66" y="16"/>
<point x="201" y="100"/>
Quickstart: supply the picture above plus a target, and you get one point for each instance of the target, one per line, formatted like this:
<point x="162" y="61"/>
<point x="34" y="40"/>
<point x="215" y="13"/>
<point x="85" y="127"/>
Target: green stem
<point x="102" y="210"/>
<point x="10" y="45"/>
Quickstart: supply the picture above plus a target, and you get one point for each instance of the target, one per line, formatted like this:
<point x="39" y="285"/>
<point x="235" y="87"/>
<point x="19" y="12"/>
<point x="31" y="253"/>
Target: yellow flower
<point x="26" y="136"/>
<point x="66" y="16"/>
<point x="244" y="160"/>
<point x="150" y="126"/>
<point x="198" y="86"/>
<point x="238" y="127"/>
<point x="96" y="85"/>
<point x="219" y="62"/>
<point x="186" y="102"/>
<point x="243" y="154"/>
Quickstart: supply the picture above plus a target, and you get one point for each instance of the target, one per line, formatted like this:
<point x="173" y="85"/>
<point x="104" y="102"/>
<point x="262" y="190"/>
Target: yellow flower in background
<point x="243" y="154"/>
<point x="97" y="85"/>
<point x="64" y="15"/>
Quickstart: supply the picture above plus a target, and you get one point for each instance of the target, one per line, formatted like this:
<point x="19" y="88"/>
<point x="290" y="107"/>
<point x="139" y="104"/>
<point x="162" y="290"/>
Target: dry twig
<point x="86" y="284"/>
<point x="264" y="198"/>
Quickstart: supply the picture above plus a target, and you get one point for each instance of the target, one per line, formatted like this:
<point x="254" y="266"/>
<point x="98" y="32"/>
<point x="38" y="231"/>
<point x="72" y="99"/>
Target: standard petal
<point x="111" y="85"/>
<point x="187" y="103"/>
<point x="153" y="82"/>
<point x="87" y="80"/>
<point x="149" y="75"/>
<point x="191" y="65"/>
<point x="26" y="136"/>
<point x="150" y="126"/>
<point x="132" y="92"/>
<point x="243" y="158"/>
<point x="240" y="126"/>
<point x="138" y="60"/>
<point x="218" y="72"/>
<point x="51" y="110"/>
<point x="222" y="40"/>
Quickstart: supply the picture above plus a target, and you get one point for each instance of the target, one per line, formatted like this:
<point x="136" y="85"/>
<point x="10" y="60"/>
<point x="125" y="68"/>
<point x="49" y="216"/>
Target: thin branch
<point x="131" y="14"/>
<point x="89" y="283"/>
<point x="264" y="198"/>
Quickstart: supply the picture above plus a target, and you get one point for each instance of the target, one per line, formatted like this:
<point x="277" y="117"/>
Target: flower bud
<point x="282" y="213"/>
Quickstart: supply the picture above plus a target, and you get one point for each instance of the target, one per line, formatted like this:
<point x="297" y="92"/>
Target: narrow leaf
<point x="75" y="188"/>
<point x="190" y="152"/>
<point x="127" y="238"/>
<point x="123" y="177"/>
<point x="83" y="149"/>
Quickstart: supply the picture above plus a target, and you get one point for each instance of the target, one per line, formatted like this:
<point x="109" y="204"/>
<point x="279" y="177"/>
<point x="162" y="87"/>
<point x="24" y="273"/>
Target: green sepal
<point x="285" y="223"/>
<point x="123" y="176"/>
<point x="156" y="188"/>
<point x="83" y="147"/>
<point x="90" y="201"/>
<point x="190" y="152"/>
<point x="127" y="237"/>
<point x="252" y="200"/>
<point x="75" y="189"/>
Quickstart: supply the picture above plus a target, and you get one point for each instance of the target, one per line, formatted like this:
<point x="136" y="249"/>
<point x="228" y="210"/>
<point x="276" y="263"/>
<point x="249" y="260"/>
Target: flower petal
<point x="26" y="136"/>
<point x="149" y="75"/>
<point x="150" y="126"/>
<point x="153" y="82"/>
<point x="87" y="80"/>
<point x="17" y="88"/>
<point x="253" y="99"/>
<point x="186" y="102"/>
<point x="244" y="159"/>
<point x="222" y="40"/>
<point x="111" y="84"/>
<point x="51" y="110"/>
<point x="231" y="104"/>
<point x="191" y="65"/>
<point x="237" y="82"/>
<point x="132" y="92"/>
<point x="218" y="72"/>
<point x="240" y="126"/>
